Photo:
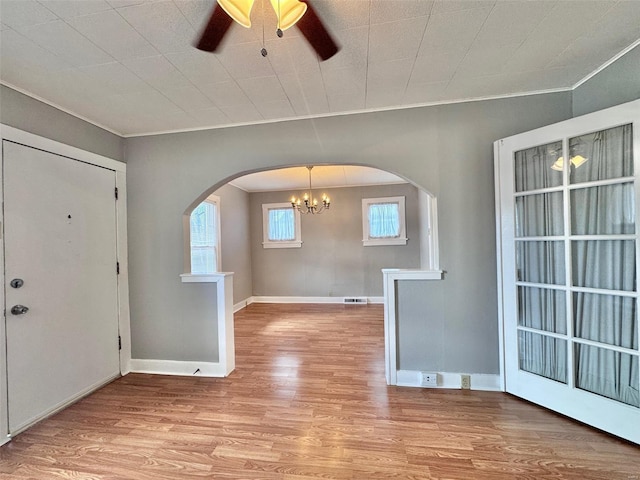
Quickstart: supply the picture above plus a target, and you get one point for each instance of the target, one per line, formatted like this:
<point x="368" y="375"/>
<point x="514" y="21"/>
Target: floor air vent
<point x="354" y="300"/>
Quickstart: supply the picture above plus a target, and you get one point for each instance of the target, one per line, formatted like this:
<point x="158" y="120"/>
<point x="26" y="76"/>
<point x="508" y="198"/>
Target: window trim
<point x="266" y="242"/>
<point x="214" y="200"/>
<point x="429" y="247"/>
<point x="367" y="240"/>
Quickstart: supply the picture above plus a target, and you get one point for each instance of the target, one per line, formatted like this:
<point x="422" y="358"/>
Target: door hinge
<point x="119" y="342"/>
<point x="117" y="268"/>
<point x="116" y="193"/>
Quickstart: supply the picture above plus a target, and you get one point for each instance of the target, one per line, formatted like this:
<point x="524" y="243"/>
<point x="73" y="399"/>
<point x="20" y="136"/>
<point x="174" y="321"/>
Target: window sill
<point x="384" y="241"/>
<point x="282" y="244"/>
<point x="204" y="277"/>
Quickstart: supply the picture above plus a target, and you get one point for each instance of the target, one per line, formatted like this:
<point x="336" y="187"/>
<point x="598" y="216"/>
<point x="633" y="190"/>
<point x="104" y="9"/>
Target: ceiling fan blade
<point x="316" y="34"/>
<point x="215" y="30"/>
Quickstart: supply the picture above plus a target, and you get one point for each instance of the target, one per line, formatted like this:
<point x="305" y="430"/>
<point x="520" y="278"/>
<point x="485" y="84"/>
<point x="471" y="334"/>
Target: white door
<point x="60" y="253"/>
<point x="568" y="203"/>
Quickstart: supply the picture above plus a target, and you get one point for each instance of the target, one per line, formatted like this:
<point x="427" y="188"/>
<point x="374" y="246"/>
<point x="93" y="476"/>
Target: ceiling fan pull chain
<point x="263" y="51"/>
<point x="279" y="30"/>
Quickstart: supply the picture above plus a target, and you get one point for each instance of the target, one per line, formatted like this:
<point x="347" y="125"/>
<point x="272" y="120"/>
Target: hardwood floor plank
<point x="308" y="400"/>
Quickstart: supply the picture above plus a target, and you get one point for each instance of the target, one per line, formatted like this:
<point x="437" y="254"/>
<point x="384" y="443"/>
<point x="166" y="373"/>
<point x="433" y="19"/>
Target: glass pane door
<point x="603" y="264"/>
<point x="540" y="262"/>
<point x="568" y="215"/>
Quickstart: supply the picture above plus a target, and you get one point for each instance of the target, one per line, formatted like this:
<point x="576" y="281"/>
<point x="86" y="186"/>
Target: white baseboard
<point x="479" y="381"/>
<point x="242" y="304"/>
<point x="276" y="299"/>
<point x="125" y="367"/>
<point x="175" y="367"/>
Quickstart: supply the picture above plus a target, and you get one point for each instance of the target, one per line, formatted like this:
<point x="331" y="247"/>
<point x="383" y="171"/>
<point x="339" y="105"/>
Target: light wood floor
<point x="308" y="401"/>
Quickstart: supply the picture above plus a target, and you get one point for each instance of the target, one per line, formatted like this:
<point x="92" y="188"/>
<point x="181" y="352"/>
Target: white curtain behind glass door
<point x="540" y="261"/>
<point x="605" y="264"/>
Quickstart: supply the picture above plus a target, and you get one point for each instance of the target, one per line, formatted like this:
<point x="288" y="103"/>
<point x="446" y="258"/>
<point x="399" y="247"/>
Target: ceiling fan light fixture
<point x="239" y="10"/>
<point x="576" y="161"/>
<point x="288" y="12"/>
<point x="558" y="165"/>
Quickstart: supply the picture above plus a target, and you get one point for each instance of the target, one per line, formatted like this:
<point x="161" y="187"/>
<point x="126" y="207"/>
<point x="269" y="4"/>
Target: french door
<point x="568" y="197"/>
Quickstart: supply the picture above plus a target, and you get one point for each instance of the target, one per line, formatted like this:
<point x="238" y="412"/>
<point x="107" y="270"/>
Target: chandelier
<point x="308" y="204"/>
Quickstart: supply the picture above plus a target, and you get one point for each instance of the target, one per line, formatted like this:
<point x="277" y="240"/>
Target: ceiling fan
<point x="289" y="13"/>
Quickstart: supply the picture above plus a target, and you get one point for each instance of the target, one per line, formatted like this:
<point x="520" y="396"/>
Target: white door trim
<point x="4" y="399"/>
<point x="501" y="339"/>
<point x="41" y="143"/>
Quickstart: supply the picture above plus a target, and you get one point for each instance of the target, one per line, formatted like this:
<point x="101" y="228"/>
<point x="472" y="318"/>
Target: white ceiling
<point x="129" y="65"/>
<point x="322" y="176"/>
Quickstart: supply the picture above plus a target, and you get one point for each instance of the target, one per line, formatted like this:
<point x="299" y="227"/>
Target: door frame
<point x="607" y="118"/>
<point x="119" y="168"/>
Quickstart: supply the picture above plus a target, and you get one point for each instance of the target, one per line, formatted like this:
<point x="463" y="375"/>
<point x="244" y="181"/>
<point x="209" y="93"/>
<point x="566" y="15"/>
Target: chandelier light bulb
<point x="310" y="203"/>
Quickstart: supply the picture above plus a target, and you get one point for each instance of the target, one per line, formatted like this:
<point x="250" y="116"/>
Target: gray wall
<point x="427" y="338"/>
<point x="21" y="111"/>
<point x="332" y="261"/>
<point x="618" y="83"/>
<point x="445" y="149"/>
<point x="192" y="333"/>
<point x="235" y="231"/>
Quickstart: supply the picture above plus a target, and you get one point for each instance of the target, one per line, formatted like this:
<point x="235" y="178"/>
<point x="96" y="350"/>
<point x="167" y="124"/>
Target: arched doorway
<point x="333" y="263"/>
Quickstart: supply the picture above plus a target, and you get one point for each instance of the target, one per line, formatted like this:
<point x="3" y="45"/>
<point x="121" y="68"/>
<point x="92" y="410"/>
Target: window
<point x="280" y="226"/>
<point x="205" y="236"/>
<point x="383" y="221"/>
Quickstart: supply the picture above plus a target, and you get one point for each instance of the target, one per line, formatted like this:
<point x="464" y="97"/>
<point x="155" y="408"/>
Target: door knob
<point x="19" y="309"/>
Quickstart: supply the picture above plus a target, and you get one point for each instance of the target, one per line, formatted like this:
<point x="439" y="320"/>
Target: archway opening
<point x="332" y="257"/>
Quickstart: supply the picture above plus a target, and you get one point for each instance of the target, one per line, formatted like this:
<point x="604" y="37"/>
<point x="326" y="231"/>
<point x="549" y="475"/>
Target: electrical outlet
<point x="465" y="382"/>
<point x="429" y="379"/>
